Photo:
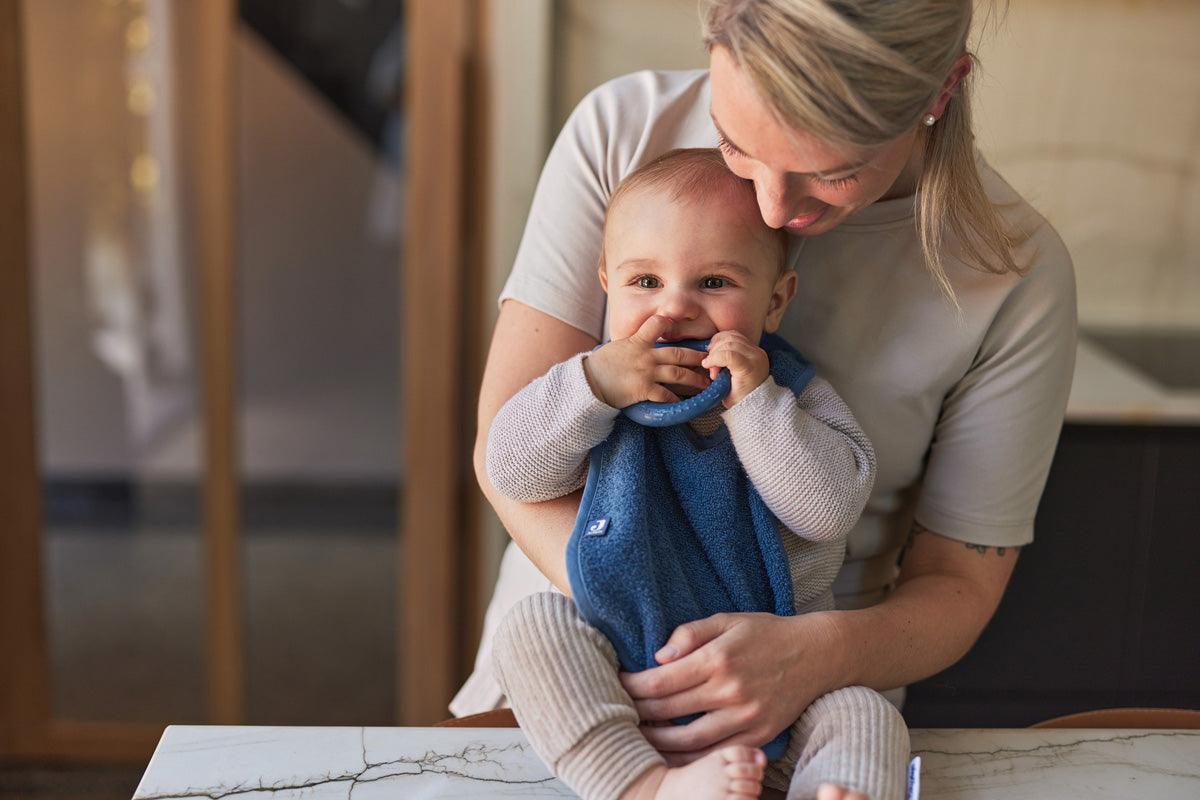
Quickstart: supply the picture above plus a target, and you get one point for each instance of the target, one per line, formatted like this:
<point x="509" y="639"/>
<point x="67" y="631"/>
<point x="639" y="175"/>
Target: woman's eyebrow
<point x="853" y="167"/>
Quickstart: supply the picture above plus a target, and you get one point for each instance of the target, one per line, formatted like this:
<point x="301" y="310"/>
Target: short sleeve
<point x="995" y="437"/>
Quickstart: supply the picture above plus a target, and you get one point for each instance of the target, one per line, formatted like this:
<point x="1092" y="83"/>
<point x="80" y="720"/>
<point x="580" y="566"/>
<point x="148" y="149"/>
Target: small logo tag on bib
<point x="597" y="527"/>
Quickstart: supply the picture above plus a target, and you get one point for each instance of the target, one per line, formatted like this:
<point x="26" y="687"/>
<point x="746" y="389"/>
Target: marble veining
<point x="1058" y="763"/>
<point x="247" y="763"/>
<point x="347" y="763"/>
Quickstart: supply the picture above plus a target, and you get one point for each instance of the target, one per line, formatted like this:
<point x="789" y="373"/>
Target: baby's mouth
<point x="677" y="339"/>
<point x="684" y="392"/>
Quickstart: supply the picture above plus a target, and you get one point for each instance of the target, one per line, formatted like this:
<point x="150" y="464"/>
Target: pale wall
<point x="1091" y="108"/>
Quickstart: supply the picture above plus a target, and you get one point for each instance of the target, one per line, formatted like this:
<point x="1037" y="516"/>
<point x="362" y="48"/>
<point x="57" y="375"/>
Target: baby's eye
<point x="713" y="282"/>
<point x="648" y="282"/>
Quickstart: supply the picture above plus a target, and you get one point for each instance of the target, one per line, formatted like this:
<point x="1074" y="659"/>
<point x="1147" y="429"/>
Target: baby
<point x="743" y="509"/>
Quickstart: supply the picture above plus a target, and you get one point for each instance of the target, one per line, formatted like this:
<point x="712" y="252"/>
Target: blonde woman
<point x="938" y="304"/>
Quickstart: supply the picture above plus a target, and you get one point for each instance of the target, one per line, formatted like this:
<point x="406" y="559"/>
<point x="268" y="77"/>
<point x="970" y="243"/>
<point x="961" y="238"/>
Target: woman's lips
<point x="805" y="220"/>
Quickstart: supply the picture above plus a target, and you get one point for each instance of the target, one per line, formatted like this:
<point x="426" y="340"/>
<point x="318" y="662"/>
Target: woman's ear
<point x="958" y="73"/>
<point x="781" y="295"/>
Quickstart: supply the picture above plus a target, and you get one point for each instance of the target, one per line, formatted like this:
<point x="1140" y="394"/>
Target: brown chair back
<point x="1171" y="718"/>
<point x="499" y="718"/>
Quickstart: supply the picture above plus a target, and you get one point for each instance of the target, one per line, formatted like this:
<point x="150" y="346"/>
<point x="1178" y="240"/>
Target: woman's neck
<point x="906" y="182"/>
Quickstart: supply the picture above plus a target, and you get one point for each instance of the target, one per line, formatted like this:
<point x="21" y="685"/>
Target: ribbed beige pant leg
<point x="560" y="676"/>
<point x="851" y="737"/>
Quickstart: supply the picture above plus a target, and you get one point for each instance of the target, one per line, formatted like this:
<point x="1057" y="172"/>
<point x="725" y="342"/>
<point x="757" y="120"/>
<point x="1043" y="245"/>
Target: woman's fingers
<point x="677" y="674"/>
<point x="701" y="736"/>
<point x="750" y="672"/>
<point x="691" y="636"/>
<point x="687" y="680"/>
<point x="654" y="686"/>
<point x="682" y="704"/>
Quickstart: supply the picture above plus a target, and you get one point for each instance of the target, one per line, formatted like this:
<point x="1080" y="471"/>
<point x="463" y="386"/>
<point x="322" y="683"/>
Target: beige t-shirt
<point x="963" y="405"/>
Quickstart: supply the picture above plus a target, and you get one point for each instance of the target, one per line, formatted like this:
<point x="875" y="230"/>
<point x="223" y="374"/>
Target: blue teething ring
<point x="661" y="415"/>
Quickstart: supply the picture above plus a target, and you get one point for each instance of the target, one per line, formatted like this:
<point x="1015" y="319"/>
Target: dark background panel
<point x="1103" y="610"/>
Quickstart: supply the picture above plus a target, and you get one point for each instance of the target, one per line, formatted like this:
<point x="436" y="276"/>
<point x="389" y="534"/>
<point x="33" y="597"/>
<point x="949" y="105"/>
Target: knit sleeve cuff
<point x="595" y="417"/>
<point x="752" y="412"/>
<point x="539" y="441"/>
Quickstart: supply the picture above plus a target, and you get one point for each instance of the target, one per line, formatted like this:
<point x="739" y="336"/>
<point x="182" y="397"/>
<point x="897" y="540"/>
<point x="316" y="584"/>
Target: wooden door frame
<point x="441" y="352"/>
<point x="24" y="692"/>
<point x="28" y="729"/>
<point x="479" y="107"/>
<point x="216" y="223"/>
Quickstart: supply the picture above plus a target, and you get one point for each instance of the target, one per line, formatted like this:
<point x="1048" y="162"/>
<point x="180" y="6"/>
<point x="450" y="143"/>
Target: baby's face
<point x="708" y="263"/>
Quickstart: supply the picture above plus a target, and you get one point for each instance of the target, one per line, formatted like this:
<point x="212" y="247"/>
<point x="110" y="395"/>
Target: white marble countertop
<point x="249" y="763"/>
<point x="1106" y="390"/>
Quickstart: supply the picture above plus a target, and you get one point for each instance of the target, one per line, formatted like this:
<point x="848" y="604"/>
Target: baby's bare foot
<point x="828" y="791"/>
<point x="731" y="773"/>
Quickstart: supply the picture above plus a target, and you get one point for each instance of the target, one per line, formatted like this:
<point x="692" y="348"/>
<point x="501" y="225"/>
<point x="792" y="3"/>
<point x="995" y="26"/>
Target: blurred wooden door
<point x="28" y="728"/>
<point x="441" y="354"/>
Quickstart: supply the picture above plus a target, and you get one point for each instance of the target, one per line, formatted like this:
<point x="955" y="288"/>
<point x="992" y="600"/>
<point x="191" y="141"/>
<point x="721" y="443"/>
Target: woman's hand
<point x="753" y="673"/>
<point x="756" y="673"/>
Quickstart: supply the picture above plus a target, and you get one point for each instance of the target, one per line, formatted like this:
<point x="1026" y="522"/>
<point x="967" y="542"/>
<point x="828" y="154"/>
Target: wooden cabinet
<point x="1104" y="607"/>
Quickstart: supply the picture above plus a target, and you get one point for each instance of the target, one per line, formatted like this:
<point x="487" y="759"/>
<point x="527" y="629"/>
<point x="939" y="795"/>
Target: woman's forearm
<point x="525" y="344"/>
<point x="541" y="530"/>
<point x="945" y="596"/>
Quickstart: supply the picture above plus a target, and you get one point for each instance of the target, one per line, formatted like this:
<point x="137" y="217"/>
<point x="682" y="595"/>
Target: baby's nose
<point x="678" y="304"/>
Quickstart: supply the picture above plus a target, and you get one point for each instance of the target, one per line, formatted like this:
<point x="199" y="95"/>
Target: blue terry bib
<point x="670" y="530"/>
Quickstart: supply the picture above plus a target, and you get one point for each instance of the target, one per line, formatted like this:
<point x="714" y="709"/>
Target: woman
<point x="934" y="299"/>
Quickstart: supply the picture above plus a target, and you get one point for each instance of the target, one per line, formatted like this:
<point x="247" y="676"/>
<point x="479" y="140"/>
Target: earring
<point x="929" y="119"/>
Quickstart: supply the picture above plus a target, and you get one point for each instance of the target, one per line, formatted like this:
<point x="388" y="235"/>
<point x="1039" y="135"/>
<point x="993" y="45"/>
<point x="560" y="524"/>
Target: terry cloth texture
<point x="671" y="530"/>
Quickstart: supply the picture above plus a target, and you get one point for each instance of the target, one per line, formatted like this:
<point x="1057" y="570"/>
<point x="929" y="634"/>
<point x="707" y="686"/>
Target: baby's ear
<point x="603" y="273"/>
<point x="781" y="295"/>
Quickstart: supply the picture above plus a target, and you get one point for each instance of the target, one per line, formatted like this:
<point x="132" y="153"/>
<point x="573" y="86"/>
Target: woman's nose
<point x="775" y="202"/>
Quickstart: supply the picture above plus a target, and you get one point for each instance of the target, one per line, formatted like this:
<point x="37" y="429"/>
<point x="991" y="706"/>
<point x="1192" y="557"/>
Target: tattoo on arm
<point x="917" y="529"/>
<point x="983" y="550"/>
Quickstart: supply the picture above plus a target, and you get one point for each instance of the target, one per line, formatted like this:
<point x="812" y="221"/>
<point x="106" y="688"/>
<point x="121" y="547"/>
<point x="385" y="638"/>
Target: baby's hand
<point x="747" y="363"/>
<point x="628" y="371"/>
